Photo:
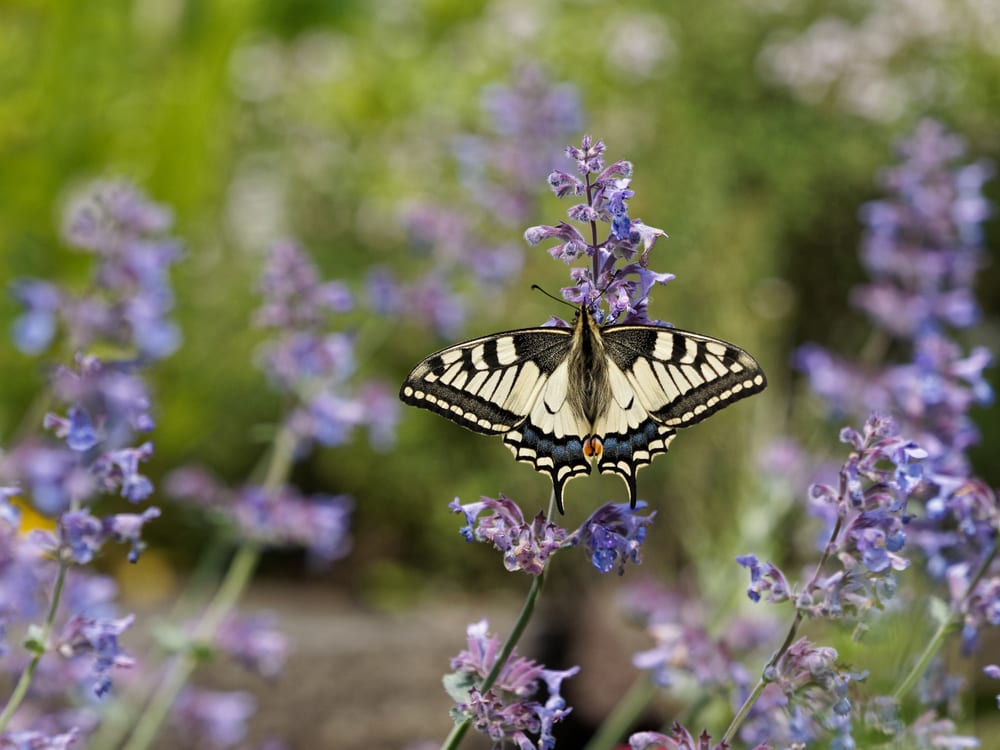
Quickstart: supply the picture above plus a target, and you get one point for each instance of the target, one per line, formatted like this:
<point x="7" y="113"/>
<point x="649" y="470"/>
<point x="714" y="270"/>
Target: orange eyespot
<point x="592" y="447"/>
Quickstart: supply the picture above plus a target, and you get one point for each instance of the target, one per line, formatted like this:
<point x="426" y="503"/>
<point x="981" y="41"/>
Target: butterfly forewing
<point x="682" y="377"/>
<point x="489" y="384"/>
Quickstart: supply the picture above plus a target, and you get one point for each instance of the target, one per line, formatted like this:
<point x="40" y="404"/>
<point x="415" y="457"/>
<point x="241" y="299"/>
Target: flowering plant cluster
<point x="96" y="446"/>
<point x="904" y="495"/>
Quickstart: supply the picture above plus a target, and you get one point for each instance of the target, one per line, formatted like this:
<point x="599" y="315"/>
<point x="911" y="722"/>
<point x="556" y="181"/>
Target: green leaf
<point x="34" y="640"/>
<point x="458" y="685"/>
<point x="939" y="611"/>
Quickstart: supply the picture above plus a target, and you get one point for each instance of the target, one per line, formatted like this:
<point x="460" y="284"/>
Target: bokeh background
<point x="385" y="137"/>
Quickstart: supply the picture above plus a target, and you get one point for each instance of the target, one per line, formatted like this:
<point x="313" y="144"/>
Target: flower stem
<point x="24" y="682"/>
<point x="793" y="630"/>
<point x="236" y="579"/>
<point x="613" y="729"/>
<point x="945" y="628"/>
<point x="458" y="731"/>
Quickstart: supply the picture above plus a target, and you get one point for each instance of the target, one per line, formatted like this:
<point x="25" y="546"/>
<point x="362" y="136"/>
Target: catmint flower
<point x="282" y="518"/>
<point x="816" y="688"/>
<point x="255" y="642"/>
<point x="678" y="739"/>
<point x="315" y="366"/>
<point x="765" y="578"/>
<point x="614" y="533"/>
<point x="83" y="635"/>
<point x="922" y="248"/>
<point x="130" y="300"/>
<point x="507" y="712"/>
<point x="32" y="740"/>
<point x="613" y="293"/>
<point x="216" y="717"/>
<point x="80" y="535"/>
<point x="524" y="546"/>
<point x="127" y="527"/>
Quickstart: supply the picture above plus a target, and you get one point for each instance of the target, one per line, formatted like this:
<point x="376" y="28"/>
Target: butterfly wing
<point x="663" y="379"/>
<point x="512" y="384"/>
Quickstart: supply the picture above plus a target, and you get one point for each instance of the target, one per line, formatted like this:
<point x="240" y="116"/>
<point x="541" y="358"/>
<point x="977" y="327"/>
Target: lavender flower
<point x="614" y="534"/>
<point x="281" y="518"/>
<point x="506" y="712"/>
<point x="678" y="739"/>
<point x="215" y="716"/>
<point x="32" y="740"/>
<point x="83" y="635"/>
<point x="311" y="364"/>
<point x="130" y="300"/>
<point x="530" y="117"/>
<point x="922" y="248"/>
<point x="624" y="291"/>
<point x="867" y="527"/>
<point x="525" y="546"/>
<point x="255" y="642"/>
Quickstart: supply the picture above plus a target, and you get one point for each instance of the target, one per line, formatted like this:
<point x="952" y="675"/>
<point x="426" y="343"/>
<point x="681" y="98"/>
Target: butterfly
<point x="563" y="398"/>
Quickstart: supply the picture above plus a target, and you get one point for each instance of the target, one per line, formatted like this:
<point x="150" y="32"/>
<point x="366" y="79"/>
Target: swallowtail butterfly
<point x="564" y="397"/>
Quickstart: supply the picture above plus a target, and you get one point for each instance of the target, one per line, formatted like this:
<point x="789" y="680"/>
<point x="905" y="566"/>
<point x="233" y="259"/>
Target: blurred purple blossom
<point x="499" y="172"/>
<point x="99" y="638"/>
<point x="689" y="646"/>
<point x="625" y="290"/>
<point x="282" y="518"/>
<point x="255" y="642"/>
<point x="506" y="712"/>
<point x="315" y="366"/>
<point x="32" y="740"/>
<point x="130" y="300"/>
<point x="216" y="717"/>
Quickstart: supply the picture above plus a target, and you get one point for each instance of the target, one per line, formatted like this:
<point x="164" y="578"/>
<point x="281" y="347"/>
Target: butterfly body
<point x="563" y="398"/>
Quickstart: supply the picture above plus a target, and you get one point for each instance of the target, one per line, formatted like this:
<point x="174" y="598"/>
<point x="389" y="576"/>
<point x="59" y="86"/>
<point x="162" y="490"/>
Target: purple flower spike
<point x="623" y="290"/>
<point x="130" y="300"/>
<point x="507" y="711"/>
<point x="216" y="717"/>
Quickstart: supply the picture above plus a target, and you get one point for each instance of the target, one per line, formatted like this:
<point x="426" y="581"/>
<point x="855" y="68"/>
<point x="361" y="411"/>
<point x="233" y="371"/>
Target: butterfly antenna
<point x="537" y="288"/>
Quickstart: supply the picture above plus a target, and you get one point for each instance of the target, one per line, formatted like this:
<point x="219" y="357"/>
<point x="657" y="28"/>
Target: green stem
<point x="458" y="731"/>
<point x="24" y="682"/>
<point x="946" y="627"/>
<point x="233" y="585"/>
<point x="793" y="630"/>
<point x="237" y="577"/>
<point x="614" y="728"/>
<point x="929" y="652"/>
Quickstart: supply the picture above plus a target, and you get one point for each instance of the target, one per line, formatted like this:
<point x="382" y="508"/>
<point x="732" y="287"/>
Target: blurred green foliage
<point x="320" y="121"/>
